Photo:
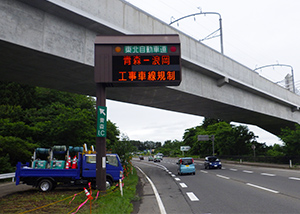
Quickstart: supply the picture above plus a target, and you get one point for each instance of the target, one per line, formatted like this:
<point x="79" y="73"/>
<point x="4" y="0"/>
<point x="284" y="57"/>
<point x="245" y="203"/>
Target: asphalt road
<point x="233" y="189"/>
<point x="10" y="187"/>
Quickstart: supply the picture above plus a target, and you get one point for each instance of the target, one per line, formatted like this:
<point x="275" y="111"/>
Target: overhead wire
<point x="242" y="50"/>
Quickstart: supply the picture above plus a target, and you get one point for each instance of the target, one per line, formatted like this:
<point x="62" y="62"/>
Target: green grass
<point x="111" y="202"/>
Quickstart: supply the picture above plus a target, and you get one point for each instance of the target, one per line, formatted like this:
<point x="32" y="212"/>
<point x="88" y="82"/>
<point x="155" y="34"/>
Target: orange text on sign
<point x="155" y="60"/>
<point x="147" y="76"/>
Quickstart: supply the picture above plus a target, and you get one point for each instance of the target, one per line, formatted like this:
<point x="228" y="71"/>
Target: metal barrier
<point x="8" y="175"/>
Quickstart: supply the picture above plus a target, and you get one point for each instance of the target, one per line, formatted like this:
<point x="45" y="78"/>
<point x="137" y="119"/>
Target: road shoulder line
<point x="158" y="199"/>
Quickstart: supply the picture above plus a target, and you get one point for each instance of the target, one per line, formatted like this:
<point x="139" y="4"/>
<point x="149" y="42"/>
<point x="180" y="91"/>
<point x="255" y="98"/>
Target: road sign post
<point x="184" y="148"/>
<point x="203" y="137"/>
<point x="101" y="139"/>
<point x="207" y="138"/>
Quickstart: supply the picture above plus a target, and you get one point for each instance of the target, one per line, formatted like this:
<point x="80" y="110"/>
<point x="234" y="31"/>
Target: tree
<point x="190" y="138"/>
<point x="15" y="94"/>
<point x="276" y="151"/>
<point x="209" y="121"/>
<point x="229" y="139"/>
<point x="36" y="117"/>
<point x="243" y="140"/>
<point x="112" y="136"/>
<point x="62" y="125"/>
<point x="138" y="144"/>
<point x="14" y="149"/>
<point x="124" y="149"/>
<point x="170" y="148"/>
<point x="291" y="140"/>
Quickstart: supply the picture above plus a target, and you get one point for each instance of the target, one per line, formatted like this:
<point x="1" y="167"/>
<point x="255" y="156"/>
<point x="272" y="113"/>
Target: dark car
<point x="141" y="157"/>
<point x="212" y="162"/>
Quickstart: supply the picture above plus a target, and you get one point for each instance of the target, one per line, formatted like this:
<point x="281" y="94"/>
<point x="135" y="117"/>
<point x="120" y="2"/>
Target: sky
<point x="256" y="33"/>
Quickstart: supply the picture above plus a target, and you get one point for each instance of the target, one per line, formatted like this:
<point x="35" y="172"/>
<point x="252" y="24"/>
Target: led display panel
<point x="153" y="60"/>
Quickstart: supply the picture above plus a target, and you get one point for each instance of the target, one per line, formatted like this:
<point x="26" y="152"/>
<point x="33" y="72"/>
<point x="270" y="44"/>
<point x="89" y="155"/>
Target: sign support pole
<point x="131" y="60"/>
<point x="100" y="143"/>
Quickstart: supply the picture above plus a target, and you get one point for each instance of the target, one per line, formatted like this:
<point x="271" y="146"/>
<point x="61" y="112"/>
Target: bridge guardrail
<point x="8" y="175"/>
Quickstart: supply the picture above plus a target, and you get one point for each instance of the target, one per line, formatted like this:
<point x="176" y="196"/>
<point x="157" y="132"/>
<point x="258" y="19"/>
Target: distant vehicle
<point x="141" y="157"/>
<point x="157" y="158"/>
<point x="212" y="162"/>
<point x="150" y="158"/>
<point x="160" y="156"/>
<point x="186" y="166"/>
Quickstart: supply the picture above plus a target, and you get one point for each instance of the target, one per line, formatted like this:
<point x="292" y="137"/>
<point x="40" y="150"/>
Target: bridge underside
<point x="27" y="66"/>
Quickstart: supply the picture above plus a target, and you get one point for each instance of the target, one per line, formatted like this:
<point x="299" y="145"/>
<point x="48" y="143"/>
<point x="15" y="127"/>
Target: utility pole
<point x="210" y="36"/>
<point x="281" y="65"/>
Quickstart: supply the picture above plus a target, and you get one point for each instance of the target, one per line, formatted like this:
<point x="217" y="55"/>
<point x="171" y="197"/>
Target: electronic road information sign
<point x="138" y="60"/>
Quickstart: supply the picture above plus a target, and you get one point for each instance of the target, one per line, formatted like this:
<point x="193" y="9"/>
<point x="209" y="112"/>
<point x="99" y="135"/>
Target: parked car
<point x="212" y="162"/>
<point x="156" y="158"/>
<point x="186" y="166"/>
<point x="141" y="157"/>
<point x="150" y="158"/>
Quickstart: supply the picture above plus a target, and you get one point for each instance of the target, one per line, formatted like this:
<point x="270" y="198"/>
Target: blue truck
<point x="47" y="174"/>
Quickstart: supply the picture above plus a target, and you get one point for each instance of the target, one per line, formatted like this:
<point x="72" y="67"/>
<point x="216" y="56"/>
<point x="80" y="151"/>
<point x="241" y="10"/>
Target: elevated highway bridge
<point x="50" y="43"/>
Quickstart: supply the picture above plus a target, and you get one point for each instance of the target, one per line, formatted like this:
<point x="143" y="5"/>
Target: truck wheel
<point x="108" y="183"/>
<point x="45" y="185"/>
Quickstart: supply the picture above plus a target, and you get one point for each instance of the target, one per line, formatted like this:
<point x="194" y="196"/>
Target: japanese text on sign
<point x="146" y="49"/>
<point x="101" y="121"/>
<point x="154" y="60"/>
<point x="149" y="68"/>
<point x="147" y="75"/>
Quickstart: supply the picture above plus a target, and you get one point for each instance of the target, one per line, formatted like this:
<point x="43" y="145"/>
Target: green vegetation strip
<point x="112" y="202"/>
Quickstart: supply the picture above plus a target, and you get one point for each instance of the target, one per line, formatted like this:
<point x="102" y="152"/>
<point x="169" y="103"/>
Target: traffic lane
<point x="276" y="180"/>
<point x="207" y="201"/>
<point x="169" y="191"/>
<point x="218" y="194"/>
<point x="223" y="195"/>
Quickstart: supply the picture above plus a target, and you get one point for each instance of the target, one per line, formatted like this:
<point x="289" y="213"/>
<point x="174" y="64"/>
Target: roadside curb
<point x="269" y="165"/>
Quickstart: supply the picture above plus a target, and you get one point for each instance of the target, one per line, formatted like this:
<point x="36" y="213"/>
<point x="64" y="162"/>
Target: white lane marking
<point x="173" y="175"/>
<point x="162" y="166"/>
<point x="294" y="178"/>
<point x="234" y="170"/>
<point x="192" y="196"/>
<point x="246" y="171"/>
<point x="183" y="185"/>
<point x="263" y="188"/>
<point x="267" y="174"/>
<point x="177" y="179"/>
<point x="221" y="176"/>
<point x="203" y="171"/>
<point x="158" y="199"/>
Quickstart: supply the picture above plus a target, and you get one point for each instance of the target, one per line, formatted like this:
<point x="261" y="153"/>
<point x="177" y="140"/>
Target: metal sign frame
<point x="138" y="60"/>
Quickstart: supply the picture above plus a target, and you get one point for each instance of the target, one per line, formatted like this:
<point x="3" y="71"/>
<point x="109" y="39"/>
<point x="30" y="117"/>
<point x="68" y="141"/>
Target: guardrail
<point x="8" y="175"/>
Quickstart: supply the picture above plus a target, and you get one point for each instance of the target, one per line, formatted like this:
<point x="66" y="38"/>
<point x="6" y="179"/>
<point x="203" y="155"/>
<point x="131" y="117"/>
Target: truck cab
<point x="113" y="166"/>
